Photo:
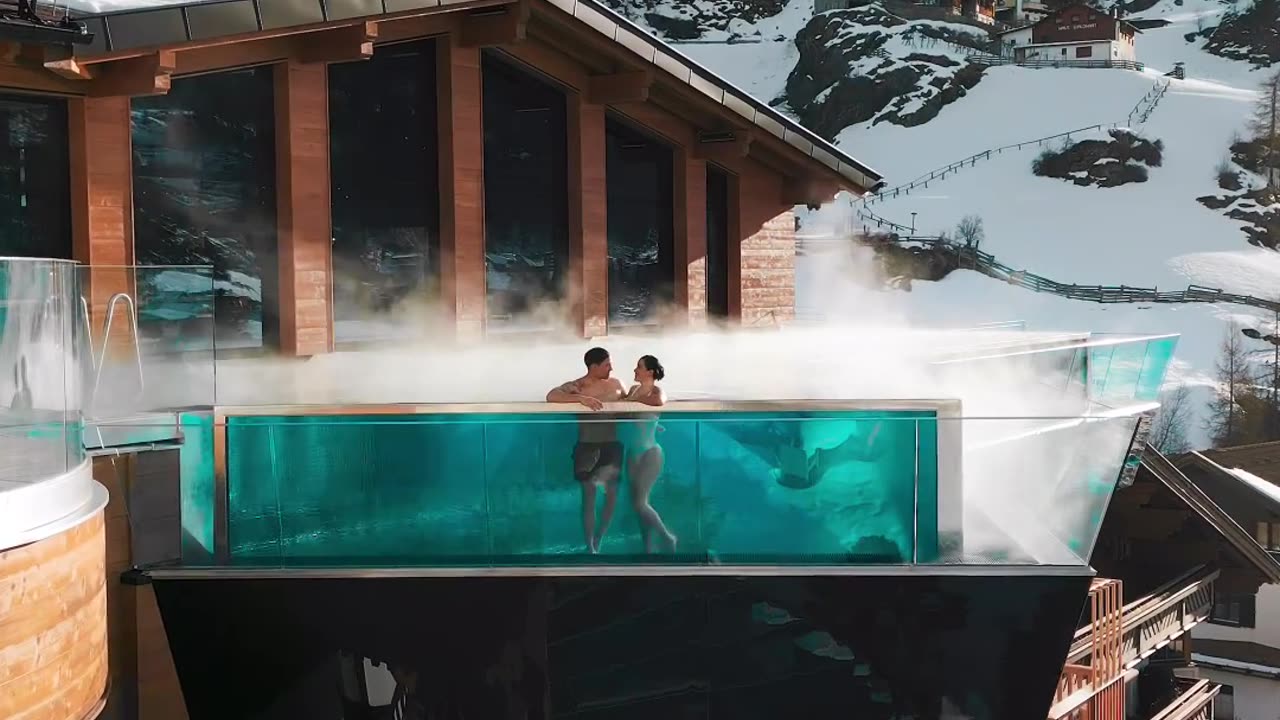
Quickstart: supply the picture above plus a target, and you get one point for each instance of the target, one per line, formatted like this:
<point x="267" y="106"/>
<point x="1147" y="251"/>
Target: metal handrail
<point x="106" y="342"/>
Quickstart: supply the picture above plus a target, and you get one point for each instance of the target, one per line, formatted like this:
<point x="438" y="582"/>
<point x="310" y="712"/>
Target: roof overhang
<point x="149" y="35"/>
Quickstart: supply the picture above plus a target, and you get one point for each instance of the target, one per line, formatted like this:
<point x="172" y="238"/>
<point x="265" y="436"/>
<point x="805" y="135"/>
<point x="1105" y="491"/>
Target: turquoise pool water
<point x="790" y="487"/>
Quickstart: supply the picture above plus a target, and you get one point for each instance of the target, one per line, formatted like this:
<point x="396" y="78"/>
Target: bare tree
<point x="1226" y="422"/>
<point x="1169" y="429"/>
<point x="969" y="231"/>
<point x="1267" y="127"/>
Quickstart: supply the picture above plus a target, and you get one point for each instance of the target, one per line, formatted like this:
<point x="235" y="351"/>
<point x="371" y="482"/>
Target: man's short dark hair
<point x="595" y="356"/>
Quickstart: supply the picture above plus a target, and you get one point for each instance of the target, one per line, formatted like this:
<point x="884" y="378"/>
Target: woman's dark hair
<point x="652" y="365"/>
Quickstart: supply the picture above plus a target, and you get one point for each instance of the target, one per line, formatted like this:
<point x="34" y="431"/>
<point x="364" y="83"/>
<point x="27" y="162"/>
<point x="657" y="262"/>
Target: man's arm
<point x="570" y="392"/>
<point x="565" y="393"/>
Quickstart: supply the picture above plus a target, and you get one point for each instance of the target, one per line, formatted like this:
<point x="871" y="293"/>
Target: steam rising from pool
<point x="869" y="352"/>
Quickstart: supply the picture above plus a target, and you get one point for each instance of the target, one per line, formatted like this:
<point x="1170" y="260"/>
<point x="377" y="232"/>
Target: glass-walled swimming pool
<point x="692" y="484"/>
<point x="734" y="486"/>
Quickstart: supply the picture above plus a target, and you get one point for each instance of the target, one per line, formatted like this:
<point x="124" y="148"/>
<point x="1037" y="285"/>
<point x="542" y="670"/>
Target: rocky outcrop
<point x="1252" y="35"/>
<point x="1246" y="195"/>
<point x="868" y="64"/>
<point x="690" y="20"/>
<point x="1121" y="160"/>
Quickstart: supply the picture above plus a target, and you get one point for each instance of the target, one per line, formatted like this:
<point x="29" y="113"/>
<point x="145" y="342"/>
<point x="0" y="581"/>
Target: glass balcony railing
<point x="42" y="371"/>
<point x="740" y="484"/>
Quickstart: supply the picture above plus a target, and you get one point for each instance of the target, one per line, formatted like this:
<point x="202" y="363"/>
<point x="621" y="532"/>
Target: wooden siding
<point x="53" y="626"/>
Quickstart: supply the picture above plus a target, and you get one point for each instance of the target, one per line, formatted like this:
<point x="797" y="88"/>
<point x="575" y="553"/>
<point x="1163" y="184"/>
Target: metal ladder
<point x="99" y="361"/>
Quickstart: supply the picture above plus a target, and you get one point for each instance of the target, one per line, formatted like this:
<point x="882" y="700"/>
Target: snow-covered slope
<point x="1145" y="234"/>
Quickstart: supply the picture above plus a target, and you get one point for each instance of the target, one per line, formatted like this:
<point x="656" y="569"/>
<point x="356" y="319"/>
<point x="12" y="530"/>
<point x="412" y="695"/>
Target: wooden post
<point x="690" y="236"/>
<point x="100" y="148"/>
<point x="461" y="137"/>
<point x="302" y="208"/>
<point x="588" y="218"/>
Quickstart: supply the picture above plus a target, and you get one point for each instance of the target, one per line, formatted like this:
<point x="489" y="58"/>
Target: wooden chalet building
<point x="478" y="166"/>
<point x="1180" y="563"/>
<point x="1240" y="647"/>
<point x="1075" y="34"/>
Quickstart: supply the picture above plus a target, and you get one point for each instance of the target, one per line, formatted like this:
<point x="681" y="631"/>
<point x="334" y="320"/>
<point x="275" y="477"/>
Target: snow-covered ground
<point x="1148" y="234"/>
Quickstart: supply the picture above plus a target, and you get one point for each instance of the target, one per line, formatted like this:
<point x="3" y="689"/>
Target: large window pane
<point x="525" y="197"/>
<point x="717" y="243"/>
<point x="640" y="225"/>
<point x="385" y="188"/>
<point x="35" y="186"/>
<point x="204" y="193"/>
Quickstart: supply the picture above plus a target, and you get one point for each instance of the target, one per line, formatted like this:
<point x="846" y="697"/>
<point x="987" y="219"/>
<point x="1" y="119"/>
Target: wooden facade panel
<point x="690" y="236"/>
<point x="461" y="151"/>
<point x="102" y="207"/>
<point x="53" y="625"/>
<point x="159" y="692"/>
<point x="588" y="218"/>
<point x="302" y="167"/>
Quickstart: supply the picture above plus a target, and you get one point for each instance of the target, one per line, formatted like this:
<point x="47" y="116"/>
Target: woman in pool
<point x="646" y="459"/>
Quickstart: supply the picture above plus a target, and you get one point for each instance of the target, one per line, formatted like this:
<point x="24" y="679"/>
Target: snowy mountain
<point x="1196" y="218"/>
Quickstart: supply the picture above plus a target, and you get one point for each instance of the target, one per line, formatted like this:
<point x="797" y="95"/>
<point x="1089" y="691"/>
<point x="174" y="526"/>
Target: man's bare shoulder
<point x="572" y="387"/>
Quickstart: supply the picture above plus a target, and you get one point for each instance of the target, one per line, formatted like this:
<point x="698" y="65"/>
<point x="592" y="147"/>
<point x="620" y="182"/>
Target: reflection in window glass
<point x="35" y="185"/>
<point x="385" y="188"/>
<point x="204" y="193"/>
<point x="640" y="224"/>
<point x="717" y="243"/>
<point x="525" y="196"/>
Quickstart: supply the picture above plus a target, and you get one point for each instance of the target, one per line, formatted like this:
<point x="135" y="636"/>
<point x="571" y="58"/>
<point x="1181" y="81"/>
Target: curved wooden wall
<point x="53" y="626"/>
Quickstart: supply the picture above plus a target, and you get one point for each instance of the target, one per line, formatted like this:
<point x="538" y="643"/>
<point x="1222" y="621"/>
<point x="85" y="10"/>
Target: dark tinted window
<point x="384" y="171"/>
<point x="640" y="224"/>
<point x="525" y="196"/>
<point x="204" y="193"/>
<point x="717" y="243"/>
<point x="35" y="188"/>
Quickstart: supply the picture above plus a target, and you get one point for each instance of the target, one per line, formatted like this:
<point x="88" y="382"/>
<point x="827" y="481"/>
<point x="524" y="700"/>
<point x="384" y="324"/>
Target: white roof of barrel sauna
<point x="136" y="30"/>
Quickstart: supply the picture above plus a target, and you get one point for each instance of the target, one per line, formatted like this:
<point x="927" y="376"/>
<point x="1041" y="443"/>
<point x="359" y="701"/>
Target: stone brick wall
<point x="769" y="273"/>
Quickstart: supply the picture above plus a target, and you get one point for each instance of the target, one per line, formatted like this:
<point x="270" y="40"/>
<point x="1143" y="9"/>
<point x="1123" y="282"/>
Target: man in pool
<point x="597" y="456"/>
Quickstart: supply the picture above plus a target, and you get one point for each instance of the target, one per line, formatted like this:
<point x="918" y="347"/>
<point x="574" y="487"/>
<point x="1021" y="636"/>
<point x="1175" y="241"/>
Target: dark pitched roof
<point x="1261" y="459"/>
<point x="1091" y="8"/>
<point x="1221" y="462"/>
<point x="1240" y="651"/>
<point x="1163" y="469"/>
<point x="180" y="22"/>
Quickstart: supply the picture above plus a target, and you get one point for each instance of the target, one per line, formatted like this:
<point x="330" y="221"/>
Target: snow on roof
<point x="1269" y="489"/>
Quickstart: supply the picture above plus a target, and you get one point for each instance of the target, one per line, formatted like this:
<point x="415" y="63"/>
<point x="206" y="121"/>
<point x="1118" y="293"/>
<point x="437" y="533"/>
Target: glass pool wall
<point x="858" y="487"/>
<point x="494" y="489"/>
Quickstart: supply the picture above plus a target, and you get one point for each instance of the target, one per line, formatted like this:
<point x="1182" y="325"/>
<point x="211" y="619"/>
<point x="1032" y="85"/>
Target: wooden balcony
<point x="1153" y="621"/>
<point x="1096" y="691"/>
<point x="1105" y="653"/>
